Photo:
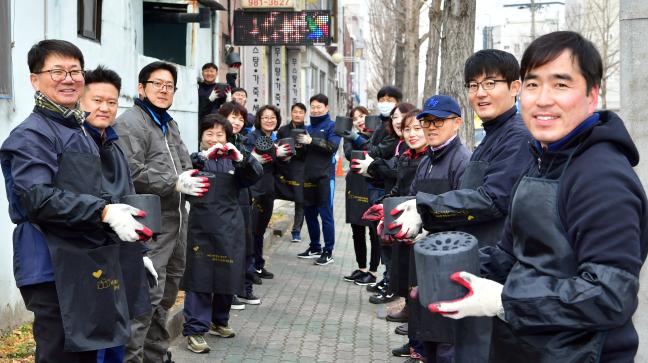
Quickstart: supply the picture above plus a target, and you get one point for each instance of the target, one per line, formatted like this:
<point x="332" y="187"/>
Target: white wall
<point x="120" y="49"/>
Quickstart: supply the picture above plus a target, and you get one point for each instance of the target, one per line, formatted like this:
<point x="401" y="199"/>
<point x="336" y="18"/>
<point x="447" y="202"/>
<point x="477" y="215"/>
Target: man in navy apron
<point x="65" y="263"/>
<point x="564" y="279"/>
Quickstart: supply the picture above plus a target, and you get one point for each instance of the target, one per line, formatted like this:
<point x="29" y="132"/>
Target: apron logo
<point x="196" y="248"/>
<point x="97" y="274"/>
<point x="470" y="218"/>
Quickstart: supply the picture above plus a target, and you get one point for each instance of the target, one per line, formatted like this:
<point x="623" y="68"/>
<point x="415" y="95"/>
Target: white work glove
<point x="360" y="166"/>
<point x="263" y="158"/>
<point x="304" y="139"/>
<point x="231" y="152"/>
<point x="409" y="220"/>
<point x="213" y="152"/>
<point x="120" y="218"/>
<point x="284" y="151"/>
<point x="191" y="185"/>
<point x="484" y="298"/>
<point x="148" y="265"/>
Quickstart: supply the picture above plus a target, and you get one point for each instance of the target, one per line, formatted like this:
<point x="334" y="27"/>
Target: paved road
<point x="308" y="312"/>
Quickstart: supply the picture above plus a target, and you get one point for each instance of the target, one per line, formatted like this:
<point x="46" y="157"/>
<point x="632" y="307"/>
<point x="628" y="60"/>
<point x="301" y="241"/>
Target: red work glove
<point x="374" y="213"/>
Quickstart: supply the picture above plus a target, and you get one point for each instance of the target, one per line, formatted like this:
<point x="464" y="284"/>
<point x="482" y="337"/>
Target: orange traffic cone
<point x="338" y="170"/>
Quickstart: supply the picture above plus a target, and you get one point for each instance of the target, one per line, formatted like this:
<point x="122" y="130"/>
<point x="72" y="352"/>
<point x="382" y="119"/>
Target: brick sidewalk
<point x="308" y="312"/>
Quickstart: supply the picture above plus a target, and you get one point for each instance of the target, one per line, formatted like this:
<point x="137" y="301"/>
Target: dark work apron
<point x="265" y="185"/>
<point x="246" y="210"/>
<point x="216" y="240"/>
<point x="135" y="281"/>
<point x="87" y="271"/>
<point x="424" y="325"/>
<point x="542" y="249"/>
<point x="399" y="269"/>
<point x="289" y="180"/>
<point x="472" y="338"/>
<point x="356" y="199"/>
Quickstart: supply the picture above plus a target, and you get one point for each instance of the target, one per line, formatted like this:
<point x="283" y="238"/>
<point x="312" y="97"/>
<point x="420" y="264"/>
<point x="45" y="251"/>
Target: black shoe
<point x="264" y="274"/>
<point x="401" y="329"/>
<point x="324" y="259"/>
<point x="383" y="298"/>
<point x="237" y="304"/>
<point x="354" y="275"/>
<point x="249" y="298"/>
<point x="256" y="279"/>
<point x="379" y="287"/>
<point x="310" y="253"/>
<point x="399" y="316"/>
<point x="403" y="351"/>
<point x="367" y="279"/>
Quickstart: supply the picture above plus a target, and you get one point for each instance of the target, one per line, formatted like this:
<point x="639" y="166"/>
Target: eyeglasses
<point x="437" y="122"/>
<point x="486" y="85"/>
<point x="59" y="75"/>
<point x="158" y="85"/>
<point x="266" y="118"/>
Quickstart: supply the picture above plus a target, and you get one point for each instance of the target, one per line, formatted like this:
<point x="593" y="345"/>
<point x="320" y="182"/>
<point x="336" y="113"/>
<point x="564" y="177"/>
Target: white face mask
<point x="385" y="108"/>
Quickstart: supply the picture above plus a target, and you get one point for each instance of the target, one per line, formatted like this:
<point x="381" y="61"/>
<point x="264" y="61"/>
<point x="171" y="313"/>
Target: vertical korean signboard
<point x="293" y="72"/>
<point x="277" y="80"/>
<point x="256" y="77"/>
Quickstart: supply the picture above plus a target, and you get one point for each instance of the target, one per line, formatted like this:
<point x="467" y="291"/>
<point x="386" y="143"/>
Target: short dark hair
<point x="102" y="74"/>
<point x="212" y="120"/>
<point x="43" y="49"/>
<point x="491" y="62"/>
<point x="228" y="108"/>
<point x="239" y="89"/>
<point x="145" y="73"/>
<point x="403" y="108"/>
<point x="390" y="91"/>
<point x="209" y="65"/>
<point x="298" y="105"/>
<point x="549" y="46"/>
<point x="358" y="108"/>
<point x="319" y="98"/>
<point x="257" y="117"/>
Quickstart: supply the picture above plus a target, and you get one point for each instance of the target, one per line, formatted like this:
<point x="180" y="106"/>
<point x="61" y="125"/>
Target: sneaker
<point x="416" y="356"/>
<point x="264" y="274"/>
<point x="383" y="298"/>
<point x="324" y="259"/>
<point x="367" y="279"/>
<point x="197" y="344"/>
<point x="249" y="299"/>
<point x="379" y="287"/>
<point x="221" y="331"/>
<point x="237" y="304"/>
<point x="354" y="275"/>
<point x="310" y="253"/>
<point x="399" y="316"/>
<point x="295" y="237"/>
<point x="403" y="351"/>
<point x="256" y="280"/>
<point x="402" y="329"/>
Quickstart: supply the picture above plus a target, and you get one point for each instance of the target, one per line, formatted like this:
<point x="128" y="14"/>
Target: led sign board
<point x="282" y="27"/>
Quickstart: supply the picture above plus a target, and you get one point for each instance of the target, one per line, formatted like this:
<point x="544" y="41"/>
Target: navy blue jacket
<point x="29" y="158"/>
<point x="320" y="152"/>
<point x="603" y="209"/>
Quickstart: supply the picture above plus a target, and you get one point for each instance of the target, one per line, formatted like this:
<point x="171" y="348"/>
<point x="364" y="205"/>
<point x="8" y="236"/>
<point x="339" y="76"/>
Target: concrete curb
<point x="281" y="221"/>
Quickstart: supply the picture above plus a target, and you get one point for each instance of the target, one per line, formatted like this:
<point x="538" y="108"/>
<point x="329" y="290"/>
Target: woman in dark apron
<point x="267" y="121"/>
<point x="216" y="236"/>
<point x="357" y="202"/>
<point x="439" y="171"/>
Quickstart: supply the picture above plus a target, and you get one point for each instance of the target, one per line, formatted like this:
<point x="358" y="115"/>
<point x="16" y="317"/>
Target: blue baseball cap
<point x="440" y="106"/>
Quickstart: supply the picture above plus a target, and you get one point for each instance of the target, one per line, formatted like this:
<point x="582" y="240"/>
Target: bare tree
<point x="432" y="55"/>
<point x="598" y="20"/>
<point x="457" y="39"/>
<point x="412" y="45"/>
<point x="382" y="44"/>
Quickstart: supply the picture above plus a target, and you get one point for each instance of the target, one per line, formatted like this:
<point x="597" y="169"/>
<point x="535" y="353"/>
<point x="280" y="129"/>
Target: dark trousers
<point x="360" y="247"/>
<point x="438" y="352"/>
<point x="261" y="214"/>
<point x="298" y="220"/>
<point x="325" y="212"/>
<point x="201" y="308"/>
<point x="385" y="258"/>
<point x="111" y="355"/>
<point x="42" y="300"/>
<point x="249" y="273"/>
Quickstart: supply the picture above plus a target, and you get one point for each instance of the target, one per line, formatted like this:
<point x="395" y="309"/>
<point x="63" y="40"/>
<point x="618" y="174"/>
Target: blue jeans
<point x="201" y="308"/>
<point x="111" y="355"/>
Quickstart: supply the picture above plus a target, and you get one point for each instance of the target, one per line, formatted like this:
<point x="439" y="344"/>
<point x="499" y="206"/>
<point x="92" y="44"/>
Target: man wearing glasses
<point x="481" y="204"/>
<point x="65" y="264"/>
<point x="159" y="163"/>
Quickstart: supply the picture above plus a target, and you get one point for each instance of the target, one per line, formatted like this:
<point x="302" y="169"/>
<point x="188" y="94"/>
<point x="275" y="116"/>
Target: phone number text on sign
<point x="254" y="4"/>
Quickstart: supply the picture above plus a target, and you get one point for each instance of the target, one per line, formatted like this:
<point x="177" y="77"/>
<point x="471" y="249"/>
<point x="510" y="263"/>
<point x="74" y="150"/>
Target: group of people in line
<point x="549" y="194"/>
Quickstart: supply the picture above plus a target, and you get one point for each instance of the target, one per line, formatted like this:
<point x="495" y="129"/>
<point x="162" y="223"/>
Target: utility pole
<point x="533" y="6"/>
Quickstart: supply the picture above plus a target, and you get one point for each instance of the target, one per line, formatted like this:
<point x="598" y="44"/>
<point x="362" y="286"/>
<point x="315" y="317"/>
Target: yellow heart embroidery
<point x="470" y="218"/>
<point x="97" y="274"/>
<point x="196" y="248"/>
